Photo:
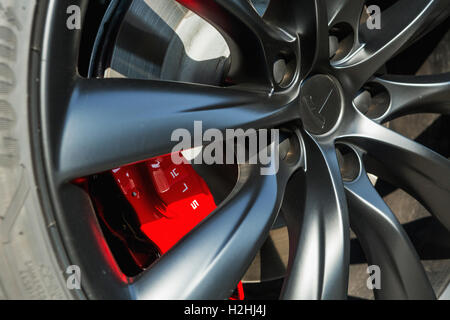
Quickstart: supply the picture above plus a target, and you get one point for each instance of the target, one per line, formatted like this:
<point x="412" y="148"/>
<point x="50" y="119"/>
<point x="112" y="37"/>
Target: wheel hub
<point x="320" y="103"/>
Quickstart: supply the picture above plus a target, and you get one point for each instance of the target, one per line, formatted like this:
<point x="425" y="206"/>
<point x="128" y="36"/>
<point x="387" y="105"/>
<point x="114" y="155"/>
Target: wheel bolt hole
<point x="284" y="69"/>
<point x="334" y="45"/>
<point x="289" y="147"/>
<point x="348" y="162"/>
<point x="279" y="70"/>
<point x="341" y="40"/>
<point x="373" y="100"/>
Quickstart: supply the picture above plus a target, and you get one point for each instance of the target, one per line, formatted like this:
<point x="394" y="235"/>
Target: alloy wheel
<point x="323" y="96"/>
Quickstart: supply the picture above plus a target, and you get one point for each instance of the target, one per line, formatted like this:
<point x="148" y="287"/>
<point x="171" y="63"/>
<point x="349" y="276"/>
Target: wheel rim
<point x="77" y="140"/>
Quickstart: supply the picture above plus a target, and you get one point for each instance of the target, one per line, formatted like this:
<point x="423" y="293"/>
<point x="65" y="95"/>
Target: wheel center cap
<point x="320" y="104"/>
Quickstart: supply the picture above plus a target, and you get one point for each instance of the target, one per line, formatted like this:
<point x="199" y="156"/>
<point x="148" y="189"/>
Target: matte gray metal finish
<point x="385" y="243"/>
<point x="319" y="238"/>
<point x="92" y="125"/>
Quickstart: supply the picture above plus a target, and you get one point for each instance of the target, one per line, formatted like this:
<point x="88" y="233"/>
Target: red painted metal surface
<point x="169" y="200"/>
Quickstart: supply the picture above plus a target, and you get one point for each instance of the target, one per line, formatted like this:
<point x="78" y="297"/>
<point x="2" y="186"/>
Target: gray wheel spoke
<point x="112" y="122"/>
<point x="348" y="11"/>
<point x="385" y="244"/>
<point x="318" y="230"/>
<point x="399" y="24"/>
<point x="413" y="94"/>
<point x="308" y="19"/>
<point x="419" y="170"/>
<point x="245" y="31"/>
<point x="209" y="262"/>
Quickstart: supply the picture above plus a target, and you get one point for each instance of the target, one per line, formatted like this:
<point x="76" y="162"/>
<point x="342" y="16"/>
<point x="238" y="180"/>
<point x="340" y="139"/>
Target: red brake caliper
<point x="176" y="200"/>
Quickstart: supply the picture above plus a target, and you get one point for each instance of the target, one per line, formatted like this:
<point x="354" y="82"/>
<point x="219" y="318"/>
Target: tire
<point x="28" y="264"/>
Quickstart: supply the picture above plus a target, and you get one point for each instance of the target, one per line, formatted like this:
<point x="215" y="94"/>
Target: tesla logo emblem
<point x="317" y="112"/>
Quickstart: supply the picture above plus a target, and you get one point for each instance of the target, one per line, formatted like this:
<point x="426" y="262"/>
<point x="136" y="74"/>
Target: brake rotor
<point x="160" y="39"/>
